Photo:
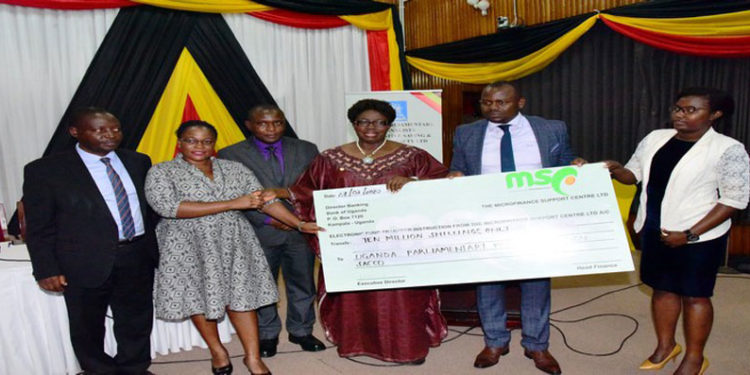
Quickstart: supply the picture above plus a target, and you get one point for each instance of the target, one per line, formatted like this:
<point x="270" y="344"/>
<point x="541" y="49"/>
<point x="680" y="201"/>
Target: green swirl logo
<point x="556" y="179"/>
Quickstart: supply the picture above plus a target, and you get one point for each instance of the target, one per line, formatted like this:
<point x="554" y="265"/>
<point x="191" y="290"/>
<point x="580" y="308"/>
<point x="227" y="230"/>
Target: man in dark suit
<point x="278" y="161"/>
<point x="505" y="141"/>
<point x="90" y="237"/>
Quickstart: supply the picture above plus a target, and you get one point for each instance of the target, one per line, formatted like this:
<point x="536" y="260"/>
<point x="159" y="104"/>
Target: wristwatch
<point x="691" y="237"/>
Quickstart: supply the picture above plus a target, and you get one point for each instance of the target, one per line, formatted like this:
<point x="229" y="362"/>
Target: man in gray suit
<point x="278" y="161"/>
<point x="504" y="141"/>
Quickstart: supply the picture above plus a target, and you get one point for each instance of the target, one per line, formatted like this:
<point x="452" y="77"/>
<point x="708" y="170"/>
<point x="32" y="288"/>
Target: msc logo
<point x="565" y="175"/>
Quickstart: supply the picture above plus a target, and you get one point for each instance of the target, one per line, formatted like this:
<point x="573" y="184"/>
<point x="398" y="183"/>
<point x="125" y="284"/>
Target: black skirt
<point x="688" y="270"/>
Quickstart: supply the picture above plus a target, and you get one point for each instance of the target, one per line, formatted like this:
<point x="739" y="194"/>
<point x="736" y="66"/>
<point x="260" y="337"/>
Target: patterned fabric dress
<point x="210" y="262"/>
<point x="396" y="325"/>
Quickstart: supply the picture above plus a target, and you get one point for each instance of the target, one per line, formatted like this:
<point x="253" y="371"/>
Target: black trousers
<point x="297" y="261"/>
<point x="128" y="291"/>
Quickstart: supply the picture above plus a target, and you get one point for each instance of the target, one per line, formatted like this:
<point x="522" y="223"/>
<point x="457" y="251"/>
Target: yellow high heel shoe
<point x="648" y="365"/>
<point x="704" y="366"/>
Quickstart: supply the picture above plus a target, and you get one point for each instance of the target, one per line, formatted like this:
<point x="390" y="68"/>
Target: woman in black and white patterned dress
<point x="210" y="260"/>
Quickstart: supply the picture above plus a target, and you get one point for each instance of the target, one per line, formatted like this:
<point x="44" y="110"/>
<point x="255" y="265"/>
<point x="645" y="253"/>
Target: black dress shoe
<point x="308" y="343"/>
<point x="225" y="370"/>
<point x="268" y="347"/>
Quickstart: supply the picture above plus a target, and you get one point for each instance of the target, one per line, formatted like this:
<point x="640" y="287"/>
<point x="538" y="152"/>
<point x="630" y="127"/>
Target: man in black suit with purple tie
<point x="278" y="161"/>
<point x="91" y="237"/>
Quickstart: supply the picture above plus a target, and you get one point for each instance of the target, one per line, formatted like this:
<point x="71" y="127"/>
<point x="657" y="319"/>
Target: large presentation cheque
<point x="506" y="226"/>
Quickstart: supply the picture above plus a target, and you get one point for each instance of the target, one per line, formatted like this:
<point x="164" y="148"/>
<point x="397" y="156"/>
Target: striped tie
<point x="123" y="206"/>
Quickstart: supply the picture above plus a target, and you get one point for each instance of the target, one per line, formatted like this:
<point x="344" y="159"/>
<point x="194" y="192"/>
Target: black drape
<point x="505" y="45"/>
<point x="129" y="71"/>
<point x="221" y="58"/>
<point x="514" y="43"/>
<point x="336" y="8"/>
<point x="135" y="61"/>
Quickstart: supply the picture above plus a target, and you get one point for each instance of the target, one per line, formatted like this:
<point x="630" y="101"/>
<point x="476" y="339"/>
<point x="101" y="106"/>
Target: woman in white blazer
<point x="693" y="180"/>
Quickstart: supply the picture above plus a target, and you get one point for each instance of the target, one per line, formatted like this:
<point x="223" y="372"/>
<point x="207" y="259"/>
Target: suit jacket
<point x="70" y="230"/>
<point x="297" y="156"/>
<point x="551" y="137"/>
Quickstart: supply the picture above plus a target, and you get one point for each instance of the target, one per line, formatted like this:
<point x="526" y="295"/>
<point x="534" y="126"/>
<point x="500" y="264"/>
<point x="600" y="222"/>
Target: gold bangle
<point x="300" y="224"/>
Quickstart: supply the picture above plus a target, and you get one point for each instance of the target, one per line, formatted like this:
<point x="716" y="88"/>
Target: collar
<point x="263" y="145"/>
<point x="517" y="120"/>
<point x="89" y="158"/>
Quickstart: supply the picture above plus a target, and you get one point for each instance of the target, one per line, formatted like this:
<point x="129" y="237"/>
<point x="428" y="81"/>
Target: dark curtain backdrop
<point x="612" y="91"/>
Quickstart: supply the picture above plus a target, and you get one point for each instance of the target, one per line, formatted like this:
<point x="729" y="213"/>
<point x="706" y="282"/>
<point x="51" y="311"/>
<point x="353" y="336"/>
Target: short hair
<point x="718" y="100"/>
<point x="380" y="106"/>
<point x="195" y="124"/>
<point x="82" y="113"/>
<point x="499" y="84"/>
<point x="264" y="108"/>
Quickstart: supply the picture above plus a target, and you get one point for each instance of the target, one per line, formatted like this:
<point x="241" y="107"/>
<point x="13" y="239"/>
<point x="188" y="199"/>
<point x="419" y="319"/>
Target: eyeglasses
<point x="489" y="103"/>
<point x="675" y="109"/>
<point x="269" y="124"/>
<point x="362" y="123"/>
<point x="193" y="142"/>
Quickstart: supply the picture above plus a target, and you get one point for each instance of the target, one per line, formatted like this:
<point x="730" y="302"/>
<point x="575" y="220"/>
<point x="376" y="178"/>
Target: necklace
<point x="368" y="159"/>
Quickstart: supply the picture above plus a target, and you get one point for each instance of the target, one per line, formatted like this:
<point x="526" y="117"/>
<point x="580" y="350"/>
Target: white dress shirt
<point x="98" y="172"/>
<point x="525" y="148"/>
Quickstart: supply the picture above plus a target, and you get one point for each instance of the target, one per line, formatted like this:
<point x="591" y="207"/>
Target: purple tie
<point x="275" y="164"/>
<point x="123" y="206"/>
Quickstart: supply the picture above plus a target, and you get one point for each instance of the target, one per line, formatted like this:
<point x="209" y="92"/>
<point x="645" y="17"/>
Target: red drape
<point x="688" y="45"/>
<point x="188" y="113"/>
<point x="380" y="68"/>
<point x="71" y="4"/>
<point x="301" y="20"/>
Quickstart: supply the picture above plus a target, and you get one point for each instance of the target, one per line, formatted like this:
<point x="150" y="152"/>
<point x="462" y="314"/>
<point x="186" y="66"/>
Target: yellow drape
<point x="625" y="195"/>
<point x="727" y="24"/>
<point x="508" y="70"/>
<point x="159" y="140"/>
<point x="215" y="6"/>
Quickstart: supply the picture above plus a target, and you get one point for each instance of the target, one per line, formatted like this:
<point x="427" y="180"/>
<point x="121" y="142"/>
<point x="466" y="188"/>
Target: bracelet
<point x="300" y="224"/>
<point x="263" y="206"/>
